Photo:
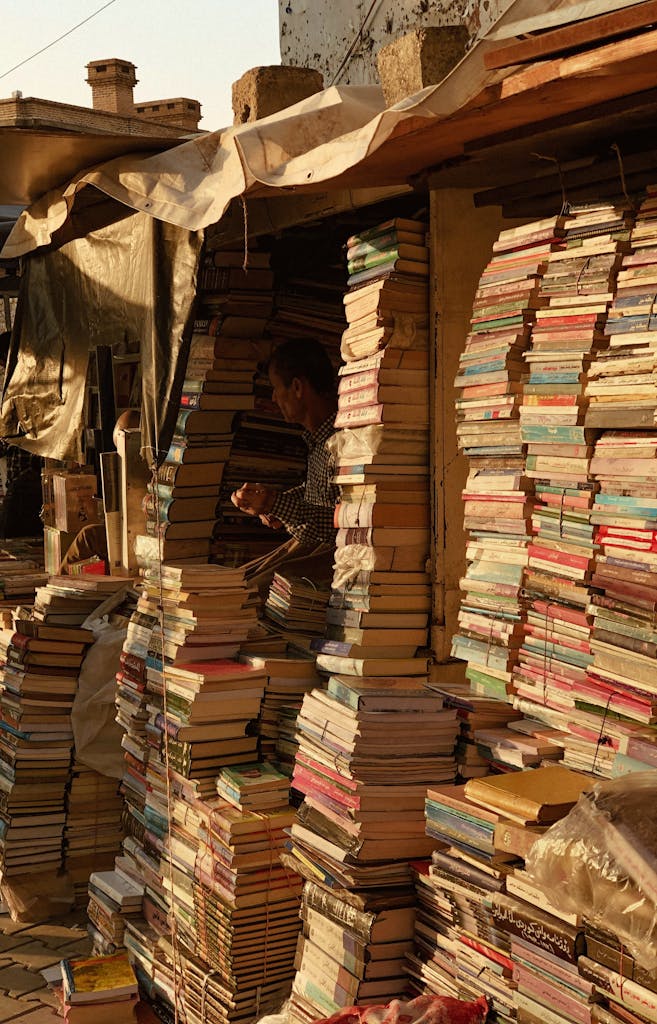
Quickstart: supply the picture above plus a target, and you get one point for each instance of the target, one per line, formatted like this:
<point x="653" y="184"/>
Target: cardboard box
<point x="76" y="504"/>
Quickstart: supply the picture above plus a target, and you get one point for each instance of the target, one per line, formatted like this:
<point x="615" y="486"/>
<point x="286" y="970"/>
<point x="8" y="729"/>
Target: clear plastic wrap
<point x="600" y="861"/>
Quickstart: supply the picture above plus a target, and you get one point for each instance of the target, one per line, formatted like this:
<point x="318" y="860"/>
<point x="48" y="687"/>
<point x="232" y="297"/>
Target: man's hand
<point x="254" y="499"/>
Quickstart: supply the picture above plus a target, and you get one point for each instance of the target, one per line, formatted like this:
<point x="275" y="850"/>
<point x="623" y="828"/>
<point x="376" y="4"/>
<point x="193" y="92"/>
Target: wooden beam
<point x="563" y="40"/>
<point x="460" y="239"/>
<point x="557" y="14"/>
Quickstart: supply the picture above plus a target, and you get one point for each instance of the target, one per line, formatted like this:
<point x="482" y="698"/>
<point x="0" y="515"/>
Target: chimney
<point x="112" y="82"/>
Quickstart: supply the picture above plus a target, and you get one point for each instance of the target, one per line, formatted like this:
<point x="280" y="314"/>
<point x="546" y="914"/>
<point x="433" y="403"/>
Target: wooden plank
<point x="562" y="40"/>
<point x="624" y="54"/>
<point x="460" y="239"/>
<point x="134" y="477"/>
<point x="555" y="14"/>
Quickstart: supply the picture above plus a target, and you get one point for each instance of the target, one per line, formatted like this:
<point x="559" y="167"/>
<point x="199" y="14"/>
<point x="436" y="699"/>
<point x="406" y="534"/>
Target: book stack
<point x="309" y="285"/>
<point x="476" y="714"/>
<point x="114" y="897"/>
<point x="254" y="787"/>
<point x="100" y="989"/>
<point x="621" y="389"/>
<point x="578" y="287"/>
<point x="194" y="613"/>
<point x="289" y="677"/>
<point x="618" y="698"/>
<point x="19" y="579"/>
<point x="92" y="832"/>
<point x="397" y="246"/>
<point x="352" y="951"/>
<point x="38" y="680"/>
<point x="235" y="906"/>
<point x="483" y="927"/>
<point x="65" y="601"/>
<point x="296" y="607"/>
<point x="367" y="751"/>
<point x="265" y="450"/>
<point x="239" y="301"/>
<point x="498" y="494"/>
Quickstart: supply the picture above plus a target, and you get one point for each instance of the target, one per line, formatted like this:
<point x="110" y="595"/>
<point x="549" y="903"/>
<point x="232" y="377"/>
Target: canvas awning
<point x="343" y="138"/>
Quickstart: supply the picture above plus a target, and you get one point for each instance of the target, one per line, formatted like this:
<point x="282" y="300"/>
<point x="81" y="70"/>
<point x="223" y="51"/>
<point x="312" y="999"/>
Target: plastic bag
<point x="96" y="734"/>
<point x="600" y="861"/>
<point x="426" y="1009"/>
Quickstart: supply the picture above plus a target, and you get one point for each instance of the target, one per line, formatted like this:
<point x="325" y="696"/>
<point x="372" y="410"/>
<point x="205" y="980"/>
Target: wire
<point x="357" y="37"/>
<point x="57" y="40"/>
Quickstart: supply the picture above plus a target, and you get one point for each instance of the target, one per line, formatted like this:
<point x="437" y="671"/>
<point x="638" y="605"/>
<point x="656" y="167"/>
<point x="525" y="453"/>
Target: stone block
<point x="10" y="1008"/>
<point x="265" y="90"/>
<point x="420" y="58"/>
<point x="16" y="981"/>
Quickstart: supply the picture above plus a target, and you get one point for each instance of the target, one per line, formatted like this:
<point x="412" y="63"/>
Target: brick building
<point x="113" y="109"/>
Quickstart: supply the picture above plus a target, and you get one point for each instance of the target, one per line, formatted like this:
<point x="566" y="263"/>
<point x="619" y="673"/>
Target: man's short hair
<point x="307" y="359"/>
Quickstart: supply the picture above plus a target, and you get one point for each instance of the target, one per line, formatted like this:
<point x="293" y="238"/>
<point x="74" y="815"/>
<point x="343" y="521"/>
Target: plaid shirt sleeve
<point x="307" y="511"/>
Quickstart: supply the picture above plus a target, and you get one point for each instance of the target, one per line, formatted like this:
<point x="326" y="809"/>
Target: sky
<point x="196" y="48"/>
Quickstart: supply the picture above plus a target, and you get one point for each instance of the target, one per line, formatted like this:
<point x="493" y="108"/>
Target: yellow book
<point x="98" y="979"/>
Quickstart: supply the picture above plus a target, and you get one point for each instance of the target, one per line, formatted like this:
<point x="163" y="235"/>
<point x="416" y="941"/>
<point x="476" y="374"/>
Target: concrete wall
<point x="319" y="33"/>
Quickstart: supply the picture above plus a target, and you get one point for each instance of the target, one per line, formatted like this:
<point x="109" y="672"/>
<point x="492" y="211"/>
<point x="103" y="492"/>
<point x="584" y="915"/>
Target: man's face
<point x="288" y="397"/>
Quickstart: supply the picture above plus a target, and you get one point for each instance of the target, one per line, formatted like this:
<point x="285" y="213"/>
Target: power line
<point x="58" y="39"/>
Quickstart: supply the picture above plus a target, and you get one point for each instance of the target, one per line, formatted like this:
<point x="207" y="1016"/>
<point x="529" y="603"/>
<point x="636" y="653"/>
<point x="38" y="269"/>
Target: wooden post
<point x="461" y="238"/>
<point x="105" y="372"/>
<point x="134" y="477"/>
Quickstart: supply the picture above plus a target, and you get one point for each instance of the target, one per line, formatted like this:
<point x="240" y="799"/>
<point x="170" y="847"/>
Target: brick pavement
<point x="24" y="951"/>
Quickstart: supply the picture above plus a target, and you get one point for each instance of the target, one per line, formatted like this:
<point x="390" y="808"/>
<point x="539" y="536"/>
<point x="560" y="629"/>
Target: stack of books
<point x="296" y="607"/>
<point x="397" y="246"/>
<point x="38" y="680"/>
<point x="100" y="989"/>
<point x="352" y="952"/>
<point x="19" y="579"/>
<point x="265" y="450"/>
<point x="370" y="743"/>
<point x="366" y="755"/>
<point x="93" y="831"/>
<point x="235" y="906"/>
<point x="575" y="293"/>
<point x="254" y="787"/>
<point x="475" y="713"/>
<point x="238" y="300"/>
<point x="619" y="696"/>
<point x="194" y="613"/>
<point x="483" y="927"/>
<point x="621" y="387"/>
<point x="498" y="495"/>
<point x="289" y="677"/>
<point x="114" y="897"/>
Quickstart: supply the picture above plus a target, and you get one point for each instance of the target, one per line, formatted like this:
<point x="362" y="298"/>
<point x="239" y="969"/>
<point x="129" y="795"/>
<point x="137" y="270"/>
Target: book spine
<point x="326" y="903"/>
<point x="557" y="938"/>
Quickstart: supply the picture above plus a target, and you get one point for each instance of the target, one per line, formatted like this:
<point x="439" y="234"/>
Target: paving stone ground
<point x="24" y="951"/>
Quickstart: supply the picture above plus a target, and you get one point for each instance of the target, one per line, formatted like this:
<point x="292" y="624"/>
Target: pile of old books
<point x="482" y="927"/>
<point x="296" y="608"/>
<point x="181" y="503"/>
<point x="92" y="831"/>
<point x="41" y="659"/>
<point x="234" y="905"/>
<point x="575" y="293"/>
<point x="376" y="737"/>
<point x="618" y="697"/>
<point x="114" y="897"/>
<point x="289" y="677"/>
<point x="266" y="450"/>
<point x="498" y="495"/>
<point x="621" y="385"/>
<point x="20" y="576"/>
<point x="99" y="989"/>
